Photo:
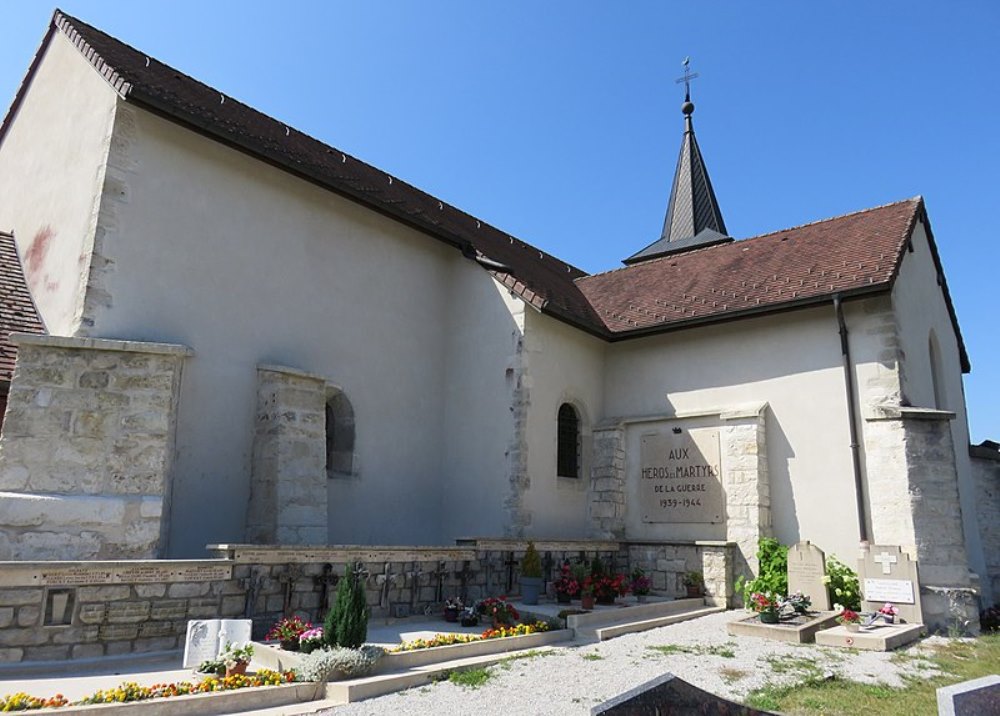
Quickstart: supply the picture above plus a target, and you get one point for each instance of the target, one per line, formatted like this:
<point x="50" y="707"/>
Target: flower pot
<point x="769" y="617"/>
<point x="693" y="591"/>
<point x="642" y="598"/>
<point x="530" y="588"/>
<point x="606" y="599"/>
<point x="587" y="601"/>
<point x="240" y="668"/>
<point x="563" y="597"/>
<point x="451" y="614"/>
<point x="289" y="644"/>
<point x="889" y="618"/>
<point x="852" y="627"/>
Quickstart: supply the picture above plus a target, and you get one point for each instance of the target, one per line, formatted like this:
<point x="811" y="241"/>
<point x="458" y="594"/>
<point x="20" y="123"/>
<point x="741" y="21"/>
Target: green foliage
<point x="772" y="577"/>
<point x="596" y="566"/>
<point x="726" y="650"/>
<point x="842" y="584"/>
<point x="337" y="663"/>
<point x="470" y="678"/>
<point x="531" y="565"/>
<point x="346" y="623"/>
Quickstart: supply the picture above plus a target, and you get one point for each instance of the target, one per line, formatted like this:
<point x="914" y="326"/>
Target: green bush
<point x="842" y="584"/>
<point x="338" y="663"/>
<point x="531" y="565"/>
<point x="346" y="623"/>
<point x="772" y="556"/>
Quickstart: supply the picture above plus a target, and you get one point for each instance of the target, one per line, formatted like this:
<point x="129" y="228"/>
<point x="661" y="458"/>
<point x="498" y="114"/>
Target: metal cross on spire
<point x="686" y="79"/>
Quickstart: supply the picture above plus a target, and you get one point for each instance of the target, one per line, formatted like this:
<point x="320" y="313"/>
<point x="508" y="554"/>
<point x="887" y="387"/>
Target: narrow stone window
<point x="568" y="448"/>
<point x="339" y="437"/>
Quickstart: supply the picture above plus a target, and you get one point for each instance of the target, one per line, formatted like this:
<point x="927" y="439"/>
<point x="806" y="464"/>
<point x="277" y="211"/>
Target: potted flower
<point x="531" y="575"/>
<point x="694" y="583"/>
<point x="889" y="612"/>
<point x="236" y="658"/>
<point x="287" y="631"/>
<point x="566" y="585"/>
<point x="767" y="607"/>
<point x="799" y="602"/>
<point x="311" y="640"/>
<point x="850" y="619"/>
<point x="587" y="593"/>
<point x="469" y="617"/>
<point x="500" y="611"/>
<point x="640" y="585"/>
<point x="452" y="608"/>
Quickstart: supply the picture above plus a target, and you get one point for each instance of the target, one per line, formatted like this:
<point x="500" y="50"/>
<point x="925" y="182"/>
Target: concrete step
<point x="631" y="627"/>
<point x="607" y="623"/>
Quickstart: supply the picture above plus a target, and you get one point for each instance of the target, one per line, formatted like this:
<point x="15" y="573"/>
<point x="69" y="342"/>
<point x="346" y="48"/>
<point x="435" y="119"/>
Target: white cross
<point x="885" y="559"/>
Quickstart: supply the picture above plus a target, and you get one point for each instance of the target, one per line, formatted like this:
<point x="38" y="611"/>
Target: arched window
<point x="568" y="447"/>
<point x="937" y="373"/>
<point x="339" y="436"/>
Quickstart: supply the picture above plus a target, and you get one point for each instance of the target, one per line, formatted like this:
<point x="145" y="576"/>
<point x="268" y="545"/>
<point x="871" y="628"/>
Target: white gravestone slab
<point x="887" y="574"/>
<point x="207" y="638"/>
<point x="806" y="570"/>
<point x="680" y="477"/>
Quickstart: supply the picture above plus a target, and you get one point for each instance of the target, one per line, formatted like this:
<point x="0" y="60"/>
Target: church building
<point x="226" y="330"/>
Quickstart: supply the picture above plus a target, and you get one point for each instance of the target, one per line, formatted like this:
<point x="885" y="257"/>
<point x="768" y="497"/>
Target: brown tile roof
<point x="853" y="254"/>
<point x="17" y="310"/>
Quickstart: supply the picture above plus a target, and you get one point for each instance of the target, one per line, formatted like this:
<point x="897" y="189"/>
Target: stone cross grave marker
<point x="207" y="638"/>
<point x="887" y="574"/>
<point x="806" y="569"/>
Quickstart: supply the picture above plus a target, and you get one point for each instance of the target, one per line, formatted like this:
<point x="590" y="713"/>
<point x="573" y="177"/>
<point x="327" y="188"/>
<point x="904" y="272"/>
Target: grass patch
<point x="730" y="675"/>
<point x="469" y="678"/>
<point x="723" y="650"/>
<point x="507" y="662"/>
<point x="955" y="662"/>
<point x="593" y="656"/>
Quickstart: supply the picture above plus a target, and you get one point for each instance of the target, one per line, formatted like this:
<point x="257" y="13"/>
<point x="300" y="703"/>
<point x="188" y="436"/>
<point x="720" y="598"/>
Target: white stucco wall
<point x="248" y="265"/>
<point x="791" y="361"/>
<point x="921" y="309"/>
<point x="564" y="365"/>
<point x="52" y="163"/>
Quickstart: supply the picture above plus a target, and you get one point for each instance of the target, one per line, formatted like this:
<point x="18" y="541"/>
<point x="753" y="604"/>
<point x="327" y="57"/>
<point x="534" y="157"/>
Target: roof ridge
<point x="65" y="23"/>
<point x="739" y="242"/>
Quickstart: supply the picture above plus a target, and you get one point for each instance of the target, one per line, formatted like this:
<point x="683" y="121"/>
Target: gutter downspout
<point x="852" y="409"/>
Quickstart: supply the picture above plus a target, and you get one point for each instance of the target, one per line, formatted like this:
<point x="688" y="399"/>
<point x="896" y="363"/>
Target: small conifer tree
<point x="346" y="623"/>
<point x="531" y="565"/>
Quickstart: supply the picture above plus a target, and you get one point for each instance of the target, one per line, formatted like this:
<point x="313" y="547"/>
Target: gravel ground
<point x="571" y="679"/>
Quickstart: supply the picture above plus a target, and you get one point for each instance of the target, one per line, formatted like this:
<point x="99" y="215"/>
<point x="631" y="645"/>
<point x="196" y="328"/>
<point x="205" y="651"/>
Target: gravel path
<point x="572" y="679"/>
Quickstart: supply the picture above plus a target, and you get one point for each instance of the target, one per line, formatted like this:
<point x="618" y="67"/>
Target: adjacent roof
<point x="17" y="310"/>
<point x="850" y="255"/>
<point x="693" y="214"/>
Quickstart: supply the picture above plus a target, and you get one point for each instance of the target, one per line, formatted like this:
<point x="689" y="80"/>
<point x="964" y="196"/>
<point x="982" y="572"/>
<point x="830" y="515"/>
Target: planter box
<point x="798" y="630"/>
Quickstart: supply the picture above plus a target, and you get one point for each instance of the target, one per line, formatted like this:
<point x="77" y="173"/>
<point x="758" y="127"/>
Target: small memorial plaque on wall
<point x="680" y="476"/>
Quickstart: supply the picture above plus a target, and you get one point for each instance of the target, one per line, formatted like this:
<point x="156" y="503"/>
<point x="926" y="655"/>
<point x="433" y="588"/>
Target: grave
<point x="207" y="638"/>
<point x="885" y="574"/>
<point x="806" y="571"/>
<point x="668" y="695"/>
<point x="970" y="698"/>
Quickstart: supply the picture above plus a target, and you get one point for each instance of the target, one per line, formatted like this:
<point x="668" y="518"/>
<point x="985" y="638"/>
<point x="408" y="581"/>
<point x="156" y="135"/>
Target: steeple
<point x="693" y="217"/>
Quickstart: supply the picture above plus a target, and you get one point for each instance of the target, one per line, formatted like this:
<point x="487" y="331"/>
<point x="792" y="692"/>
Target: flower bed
<point x="130" y="691"/>
<point x="451" y="639"/>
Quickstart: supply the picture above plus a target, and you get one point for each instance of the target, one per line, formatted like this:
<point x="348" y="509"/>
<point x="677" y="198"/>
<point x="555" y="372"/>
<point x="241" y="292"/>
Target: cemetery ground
<point x="766" y="674"/>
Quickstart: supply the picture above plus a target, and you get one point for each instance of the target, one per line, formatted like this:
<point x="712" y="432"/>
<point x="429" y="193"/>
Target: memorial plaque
<point x="680" y="477"/>
<point x="207" y="638"/>
<point x="887" y="574"/>
<point x="806" y="570"/>
<point x="147" y="572"/>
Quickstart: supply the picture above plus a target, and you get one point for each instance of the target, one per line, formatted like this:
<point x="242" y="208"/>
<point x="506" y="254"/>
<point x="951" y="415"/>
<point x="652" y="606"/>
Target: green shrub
<point x="842" y="584"/>
<point x="324" y="664"/>
<point x="346" y="623"/>
<point x="531" y="565"/>
<point x="772" y="576"/>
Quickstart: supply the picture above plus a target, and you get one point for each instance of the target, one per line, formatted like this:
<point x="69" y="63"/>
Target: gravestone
<point x="977" y="697"/>
<point x="668" y="695"/>
<point x="806" y="570"/>
<point x="887" y="574"/>
<point x="207" y="638"/>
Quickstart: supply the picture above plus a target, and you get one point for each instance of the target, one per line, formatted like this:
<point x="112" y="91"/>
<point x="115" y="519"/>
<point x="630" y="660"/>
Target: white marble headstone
<point x="887" y="574"/>
<point x="806" y="569"/>
<point x="207" y="638"/>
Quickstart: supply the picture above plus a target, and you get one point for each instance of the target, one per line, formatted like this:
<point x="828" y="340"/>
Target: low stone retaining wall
<point x="73" y="610"/>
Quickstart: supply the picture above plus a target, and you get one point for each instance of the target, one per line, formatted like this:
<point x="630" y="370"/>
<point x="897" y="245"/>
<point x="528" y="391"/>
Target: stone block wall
<point x="747" y="485"/>
<point x="913" y="501"/>
<point x="606" y="506"/>
<point x="666" y="563"/>
<point x="986" y="475"/>
<point x="87" y="447"/>
<point x="288" y="494"/>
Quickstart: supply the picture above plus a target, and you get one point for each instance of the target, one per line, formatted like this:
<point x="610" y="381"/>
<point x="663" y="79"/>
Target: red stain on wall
<point x="34" y="257"/>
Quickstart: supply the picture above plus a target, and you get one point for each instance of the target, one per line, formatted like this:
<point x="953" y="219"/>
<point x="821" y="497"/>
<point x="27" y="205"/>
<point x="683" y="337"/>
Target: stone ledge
<point x="100" y="344"/>
<point x="735" y="412"/>
<point x="901" y="412"/>
<point x="290" y="554"/>
<point x="294" y="372"/>
<point x="80" y="573"/>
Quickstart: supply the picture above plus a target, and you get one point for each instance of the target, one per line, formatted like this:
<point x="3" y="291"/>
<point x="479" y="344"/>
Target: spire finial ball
<point x="687" y="108"/>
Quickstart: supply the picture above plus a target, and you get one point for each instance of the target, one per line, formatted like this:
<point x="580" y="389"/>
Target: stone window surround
<point x="585" y="434"/>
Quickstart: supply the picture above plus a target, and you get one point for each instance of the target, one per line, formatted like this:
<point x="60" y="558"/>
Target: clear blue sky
<point x="559" y="122"/>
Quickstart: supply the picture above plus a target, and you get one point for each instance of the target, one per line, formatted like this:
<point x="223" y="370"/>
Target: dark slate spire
<point x="693" y="217"/>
